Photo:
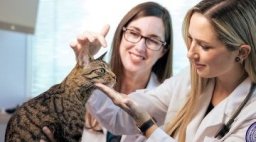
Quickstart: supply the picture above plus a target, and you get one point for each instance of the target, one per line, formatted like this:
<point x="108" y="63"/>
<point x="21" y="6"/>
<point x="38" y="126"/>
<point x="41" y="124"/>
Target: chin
<point x="205" y="75"/>
<point x="202" y="74"/>
<point x="133" y="68"/>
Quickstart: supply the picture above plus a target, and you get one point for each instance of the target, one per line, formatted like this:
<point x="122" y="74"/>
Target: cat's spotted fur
<point x="61" y="108"/>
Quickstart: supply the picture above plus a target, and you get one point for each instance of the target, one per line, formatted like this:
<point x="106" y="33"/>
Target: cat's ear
<point x="102" y="56"/>
<point x="84" y="58"/>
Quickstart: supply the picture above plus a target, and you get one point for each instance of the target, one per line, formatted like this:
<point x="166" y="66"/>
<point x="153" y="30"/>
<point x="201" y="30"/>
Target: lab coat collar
<point x="153" y="81"/>
<point x="211" y="123"/>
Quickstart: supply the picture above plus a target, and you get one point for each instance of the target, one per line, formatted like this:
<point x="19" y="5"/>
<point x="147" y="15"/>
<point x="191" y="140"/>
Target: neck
<point x="133" y="82"/>
<point x="224" y="86"/>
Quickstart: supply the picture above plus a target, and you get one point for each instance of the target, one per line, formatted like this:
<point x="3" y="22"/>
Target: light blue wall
<point x="12" y="68"/>
<point x="13" y="50"/>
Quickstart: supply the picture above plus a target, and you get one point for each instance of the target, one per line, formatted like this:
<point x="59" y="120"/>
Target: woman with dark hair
<point x="141" y="58"/>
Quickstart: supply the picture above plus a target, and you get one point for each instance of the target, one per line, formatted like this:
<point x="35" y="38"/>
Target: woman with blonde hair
<point x="216" y="103"/>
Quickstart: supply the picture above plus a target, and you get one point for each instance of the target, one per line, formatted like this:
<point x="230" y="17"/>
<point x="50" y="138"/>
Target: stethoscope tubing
<point x="226" y="127"/>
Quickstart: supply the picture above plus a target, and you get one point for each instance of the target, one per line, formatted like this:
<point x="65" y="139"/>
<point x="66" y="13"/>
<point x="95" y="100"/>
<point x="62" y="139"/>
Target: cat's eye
<point x="101" y="71"/>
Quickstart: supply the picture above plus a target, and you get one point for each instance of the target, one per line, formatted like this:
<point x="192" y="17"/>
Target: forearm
<point x="111" y="116"/>
<point x="156" y="134"/>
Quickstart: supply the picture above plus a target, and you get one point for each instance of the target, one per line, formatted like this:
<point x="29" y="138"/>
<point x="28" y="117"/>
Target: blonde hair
<point x="235" y="26"/>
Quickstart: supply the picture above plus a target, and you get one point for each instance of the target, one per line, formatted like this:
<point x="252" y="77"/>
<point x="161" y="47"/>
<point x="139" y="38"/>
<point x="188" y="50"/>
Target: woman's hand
<point x="89" y="43"/>
<point x="138" y="113"/>
<point x="49" y="135"/>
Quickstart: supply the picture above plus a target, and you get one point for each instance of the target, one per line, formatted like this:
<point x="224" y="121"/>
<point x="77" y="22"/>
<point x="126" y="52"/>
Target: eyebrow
<point x="199" y="41"/>
<point x="202" y="42"/>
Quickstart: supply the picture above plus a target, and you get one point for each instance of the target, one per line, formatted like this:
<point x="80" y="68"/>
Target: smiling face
<point x="136" y="57"/>
<point x="207" y="53"/>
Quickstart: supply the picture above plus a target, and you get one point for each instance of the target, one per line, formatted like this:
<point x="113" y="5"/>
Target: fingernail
<point x="73" y="44"/>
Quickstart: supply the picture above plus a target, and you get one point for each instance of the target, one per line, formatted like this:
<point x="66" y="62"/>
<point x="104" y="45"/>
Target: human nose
<point x="141" y="45"/>
<point x="192" y="52"/>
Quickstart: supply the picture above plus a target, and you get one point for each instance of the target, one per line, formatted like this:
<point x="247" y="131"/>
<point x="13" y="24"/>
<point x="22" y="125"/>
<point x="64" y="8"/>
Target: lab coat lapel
<point x="221" y="113"/>
<point x="204" y="102"/>
<point x="212" y="122"/>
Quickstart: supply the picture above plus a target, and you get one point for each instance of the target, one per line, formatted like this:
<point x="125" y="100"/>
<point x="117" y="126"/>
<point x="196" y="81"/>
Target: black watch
<point x="146" y="125"/>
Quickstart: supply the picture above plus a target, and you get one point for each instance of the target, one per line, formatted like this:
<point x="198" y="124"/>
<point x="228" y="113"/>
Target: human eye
<point x="133" y="34"/>
<point x="154" y="42"/>
<point x="204" y="47"/>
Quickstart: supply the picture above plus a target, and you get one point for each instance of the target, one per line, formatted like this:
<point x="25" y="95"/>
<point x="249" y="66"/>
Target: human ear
<point x="163" y="53"/>
<point x="244" y="51"/>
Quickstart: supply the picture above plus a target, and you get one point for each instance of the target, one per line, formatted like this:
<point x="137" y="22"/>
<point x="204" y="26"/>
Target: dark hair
<point x="163" y="67"/>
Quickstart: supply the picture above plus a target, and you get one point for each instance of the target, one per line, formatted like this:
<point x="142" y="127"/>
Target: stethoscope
<point x="226" y="127"/>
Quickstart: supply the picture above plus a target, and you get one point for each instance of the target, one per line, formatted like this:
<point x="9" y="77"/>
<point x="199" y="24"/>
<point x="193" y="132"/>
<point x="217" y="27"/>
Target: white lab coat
<point x="92" y="136"/>
<point x="164" y="102"/>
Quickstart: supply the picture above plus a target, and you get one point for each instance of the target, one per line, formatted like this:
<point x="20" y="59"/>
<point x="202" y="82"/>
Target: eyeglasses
<point x="134" y="37"/>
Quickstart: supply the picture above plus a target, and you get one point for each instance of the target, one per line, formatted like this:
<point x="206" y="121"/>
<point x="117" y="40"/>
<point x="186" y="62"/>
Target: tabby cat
<point x="61" y="108"/>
